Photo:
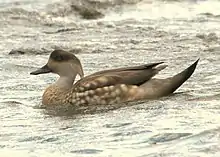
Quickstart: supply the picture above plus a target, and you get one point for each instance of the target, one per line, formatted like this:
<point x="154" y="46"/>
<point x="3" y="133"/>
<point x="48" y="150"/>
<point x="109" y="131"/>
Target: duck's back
<point x="112" y="86"/>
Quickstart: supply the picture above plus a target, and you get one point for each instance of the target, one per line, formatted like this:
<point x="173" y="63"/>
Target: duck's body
<point x="106" y="87"/>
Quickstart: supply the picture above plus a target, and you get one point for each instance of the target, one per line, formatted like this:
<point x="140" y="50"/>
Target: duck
<point x="110" y="86"/>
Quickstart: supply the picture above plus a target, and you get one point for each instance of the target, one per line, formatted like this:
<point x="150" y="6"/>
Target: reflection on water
<point x="129" y="33"/>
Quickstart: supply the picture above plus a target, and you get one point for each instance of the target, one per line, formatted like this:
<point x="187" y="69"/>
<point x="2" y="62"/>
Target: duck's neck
<point x="65" y="82"/>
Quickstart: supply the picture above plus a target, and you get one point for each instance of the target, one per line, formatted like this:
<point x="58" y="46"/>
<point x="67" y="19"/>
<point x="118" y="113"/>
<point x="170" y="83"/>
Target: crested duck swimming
<point x="108" y="86"/>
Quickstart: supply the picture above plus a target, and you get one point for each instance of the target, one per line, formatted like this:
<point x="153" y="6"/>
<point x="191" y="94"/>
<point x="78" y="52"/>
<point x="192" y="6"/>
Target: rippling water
<point x="120" y="33"/>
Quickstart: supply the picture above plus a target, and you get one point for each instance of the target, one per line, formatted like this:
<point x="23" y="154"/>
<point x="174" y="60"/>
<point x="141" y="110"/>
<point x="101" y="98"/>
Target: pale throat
<point x="65" y="82"/>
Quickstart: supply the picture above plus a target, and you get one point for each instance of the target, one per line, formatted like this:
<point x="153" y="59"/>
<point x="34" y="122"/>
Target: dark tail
<point x="162" y="87"/>
<point x="176" y="81"/>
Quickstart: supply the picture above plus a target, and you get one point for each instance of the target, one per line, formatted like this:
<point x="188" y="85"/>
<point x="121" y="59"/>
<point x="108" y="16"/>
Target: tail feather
<point x="177" y="80"/>
<point x="160" y="67"/>
<point x="155" y="88"/>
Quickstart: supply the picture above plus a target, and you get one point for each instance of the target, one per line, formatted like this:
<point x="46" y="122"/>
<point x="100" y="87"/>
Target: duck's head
<point x="62" y="63"/>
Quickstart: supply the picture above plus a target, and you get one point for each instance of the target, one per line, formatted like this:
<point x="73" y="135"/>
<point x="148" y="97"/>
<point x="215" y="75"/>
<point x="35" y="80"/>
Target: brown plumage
<point x="108" y="86"/>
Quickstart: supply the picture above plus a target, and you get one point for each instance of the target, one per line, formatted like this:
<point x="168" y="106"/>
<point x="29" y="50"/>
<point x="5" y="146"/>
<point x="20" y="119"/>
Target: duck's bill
<point x="45" y="69"/>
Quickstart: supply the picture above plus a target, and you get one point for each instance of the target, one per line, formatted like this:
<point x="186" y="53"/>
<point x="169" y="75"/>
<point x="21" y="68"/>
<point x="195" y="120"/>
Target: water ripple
<point x="131" y="33"/>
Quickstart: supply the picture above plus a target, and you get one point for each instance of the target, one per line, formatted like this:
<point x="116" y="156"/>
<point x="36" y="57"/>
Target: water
<point x="129" y="32"/>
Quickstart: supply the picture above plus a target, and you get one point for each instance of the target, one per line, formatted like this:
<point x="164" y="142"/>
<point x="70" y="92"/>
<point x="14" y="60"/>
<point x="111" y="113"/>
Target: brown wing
<point x="136" y="75"/>
<point x="126" y="69"/>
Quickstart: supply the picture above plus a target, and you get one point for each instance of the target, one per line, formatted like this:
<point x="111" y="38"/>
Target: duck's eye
<point x="59" y="58"/>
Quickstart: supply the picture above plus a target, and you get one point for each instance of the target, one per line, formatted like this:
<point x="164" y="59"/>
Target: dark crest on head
<point x="61" y="55"/>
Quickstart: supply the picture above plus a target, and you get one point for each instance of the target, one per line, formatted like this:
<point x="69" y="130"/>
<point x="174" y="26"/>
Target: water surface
<point x="128" y="33"/>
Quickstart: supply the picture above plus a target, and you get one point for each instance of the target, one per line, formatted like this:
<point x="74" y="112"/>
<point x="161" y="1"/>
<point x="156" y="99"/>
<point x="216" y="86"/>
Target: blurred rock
<point x="87" y="12"/>
<point x="23" y="51"/>
<point x="208" y="37"/>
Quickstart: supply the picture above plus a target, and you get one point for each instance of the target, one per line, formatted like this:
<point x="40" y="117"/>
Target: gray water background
<point x="130" y="33"/>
